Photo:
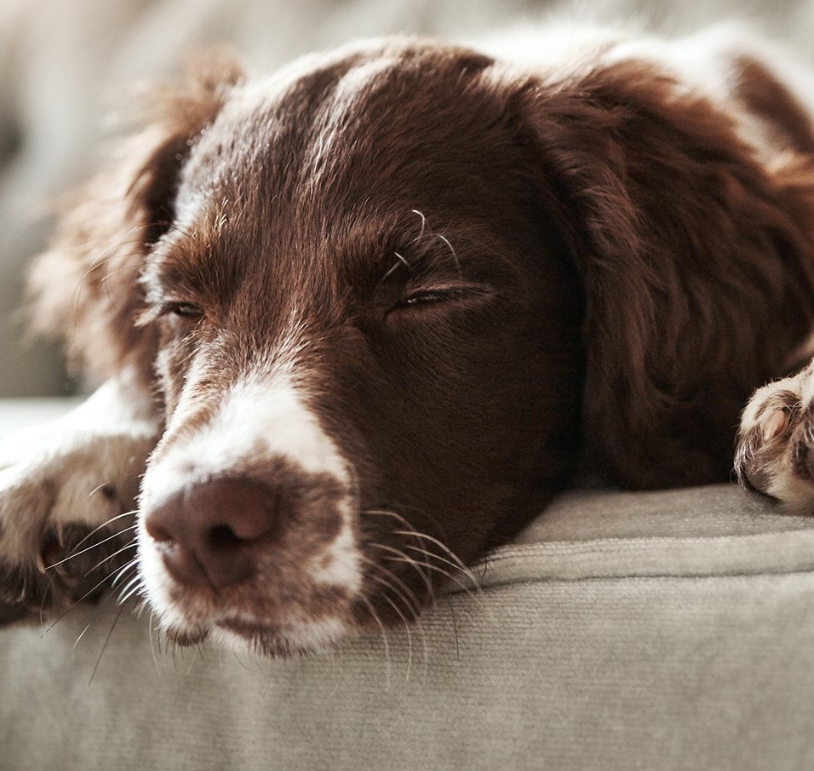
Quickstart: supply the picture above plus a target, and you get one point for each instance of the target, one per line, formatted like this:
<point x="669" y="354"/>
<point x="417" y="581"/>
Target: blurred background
<point x="67" y="64"/>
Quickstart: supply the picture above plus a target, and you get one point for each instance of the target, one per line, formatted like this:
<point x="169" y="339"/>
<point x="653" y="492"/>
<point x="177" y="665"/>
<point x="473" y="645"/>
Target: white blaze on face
<point x="253" y="420"/>
<point x="256" y="419"/>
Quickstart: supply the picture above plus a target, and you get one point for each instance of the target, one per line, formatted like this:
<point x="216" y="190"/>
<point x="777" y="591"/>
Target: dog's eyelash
<point x="182" y="310"/>
<point x="430" y="297"/>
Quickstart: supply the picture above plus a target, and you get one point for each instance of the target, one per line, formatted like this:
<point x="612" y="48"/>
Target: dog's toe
<point x="775" y="451"/>
<point x="75" y="564"/>
<point x="81" y="560"/>
<point x="66" y="516"/>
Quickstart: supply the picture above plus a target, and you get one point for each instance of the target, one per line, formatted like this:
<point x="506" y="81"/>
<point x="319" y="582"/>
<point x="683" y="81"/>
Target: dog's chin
<point x="185" y="637"/>
<point x="254" y="638"/>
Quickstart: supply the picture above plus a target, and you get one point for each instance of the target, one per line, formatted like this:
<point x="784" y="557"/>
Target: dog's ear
<point x="86" y="288"/>
<point x="696" y="263"/>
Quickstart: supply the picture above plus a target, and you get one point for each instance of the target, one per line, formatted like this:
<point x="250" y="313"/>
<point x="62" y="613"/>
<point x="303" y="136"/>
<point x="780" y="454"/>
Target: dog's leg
<point x="775" y="449"/>
<point x="67" y="500"/>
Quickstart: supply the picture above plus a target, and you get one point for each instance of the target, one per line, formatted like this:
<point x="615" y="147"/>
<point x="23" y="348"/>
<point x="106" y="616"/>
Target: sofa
<point x="661" y="631"/>
<point x="620" y="631"/>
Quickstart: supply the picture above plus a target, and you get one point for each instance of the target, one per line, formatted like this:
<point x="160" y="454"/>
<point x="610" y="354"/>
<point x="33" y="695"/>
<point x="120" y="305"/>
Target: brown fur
<point x="634" y="270"/>
<point x="697" y="262"/>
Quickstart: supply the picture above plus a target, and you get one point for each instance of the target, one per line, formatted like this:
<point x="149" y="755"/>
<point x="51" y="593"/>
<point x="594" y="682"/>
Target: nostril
<point x="223" y="537"/>
<point x="212" y="531"/>
<point x="232" y="512"/>
<point x="158" y="533"/>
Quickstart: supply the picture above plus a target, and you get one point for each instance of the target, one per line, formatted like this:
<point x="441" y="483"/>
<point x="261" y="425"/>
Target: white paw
<point x="775" y="451"/>
<point x="67" y="495"/>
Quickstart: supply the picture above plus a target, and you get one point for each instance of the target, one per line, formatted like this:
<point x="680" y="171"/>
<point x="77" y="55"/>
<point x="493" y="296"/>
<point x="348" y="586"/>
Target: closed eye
<point x="170" y="310"/>
<point x="181" y="310"/>
<point x="426" y="299"/>
<point x="430" y="296"/>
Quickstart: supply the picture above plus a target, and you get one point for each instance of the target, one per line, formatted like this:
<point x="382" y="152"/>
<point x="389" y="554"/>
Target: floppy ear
<point x="696" y="260"/>
<point x="86" y="287"/>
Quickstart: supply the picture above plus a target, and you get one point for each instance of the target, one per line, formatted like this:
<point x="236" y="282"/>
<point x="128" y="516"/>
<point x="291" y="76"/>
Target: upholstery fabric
<point x="670" y="630"/>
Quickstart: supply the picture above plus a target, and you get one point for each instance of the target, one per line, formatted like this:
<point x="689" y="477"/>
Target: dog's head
<point x="362" y="289"/>
<point x="366" y="347"/>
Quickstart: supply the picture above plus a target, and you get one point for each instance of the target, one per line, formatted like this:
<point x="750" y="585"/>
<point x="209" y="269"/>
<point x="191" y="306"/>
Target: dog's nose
<point x="205" y="533"/>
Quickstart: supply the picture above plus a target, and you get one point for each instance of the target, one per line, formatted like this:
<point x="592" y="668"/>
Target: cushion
<point x="667" y="630"/>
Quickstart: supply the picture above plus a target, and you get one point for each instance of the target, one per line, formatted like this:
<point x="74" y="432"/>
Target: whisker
<point x="441" y="558"/>
<point x="133" y="591"/>
<point x="395" y="267"/>
<point x="95" y="616"/>
<point x="453" y="252"/>
<point x="152" y="642"/>
<point x="238" y="660"/>
<point x="415" y="612"/>
<point x="90" y="548"/>
<point x="475" y="591"/>
<point x="104" y="647"/>
<point x="413" y="605"/>
<point x="464" y="587"/>
<point x="81" y="635"/>
<point x="197" y="651"/>
<point x="416" y="619"/>
<point x="73" y="605"/>
<point x="409" y="635"/>
<point x="454" y="628"/>
<point x="104" y="257"/>
<point x="104" y="524"/>
<point x="375" y="617"/>
<point x="456" y="563"/>
<point x="52" y="577"/>
<point x="121" y="572"/>
<point x="129" y="589"/>
<point x="46" y="592"/>
<point x="409" y="525"/>
<point x="410" y="561"/>
<point x="131" y="545"/>
<point x="423" y="224"/>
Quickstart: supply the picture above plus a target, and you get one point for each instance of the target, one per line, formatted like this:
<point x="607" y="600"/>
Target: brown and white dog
<point x="360" y="320"/>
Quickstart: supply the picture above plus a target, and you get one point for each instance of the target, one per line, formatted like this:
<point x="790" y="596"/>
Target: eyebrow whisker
<point x="401" y="261"/>
<point x="423" y="224"/>
<point x="453" y="252"/>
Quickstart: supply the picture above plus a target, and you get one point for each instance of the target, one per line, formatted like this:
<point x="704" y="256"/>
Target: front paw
<point x="775" y="448"/>
<point x="67" y="500"/>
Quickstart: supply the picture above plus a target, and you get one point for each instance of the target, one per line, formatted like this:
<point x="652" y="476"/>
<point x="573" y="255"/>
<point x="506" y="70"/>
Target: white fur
<point x="256" y="419"/>
<point x="253" y="419"/>
<point x="796" y="494"/>
<point x="702" y="63"/>
<point x="312" y="636"/>
<point x="50" y="475"/>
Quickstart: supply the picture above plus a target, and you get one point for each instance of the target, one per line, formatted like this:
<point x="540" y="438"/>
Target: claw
<point x="774" y="424"/>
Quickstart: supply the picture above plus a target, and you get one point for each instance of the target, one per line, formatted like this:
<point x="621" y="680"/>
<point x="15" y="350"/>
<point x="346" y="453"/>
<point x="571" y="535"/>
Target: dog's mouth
<point x="276" y="639"/>
<point x="281" y="630"/>
<point x="284" y="640"/>
<point x="246" y="629"/>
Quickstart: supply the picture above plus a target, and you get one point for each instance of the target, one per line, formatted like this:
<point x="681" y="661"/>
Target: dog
<point x="357" y="322"/>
